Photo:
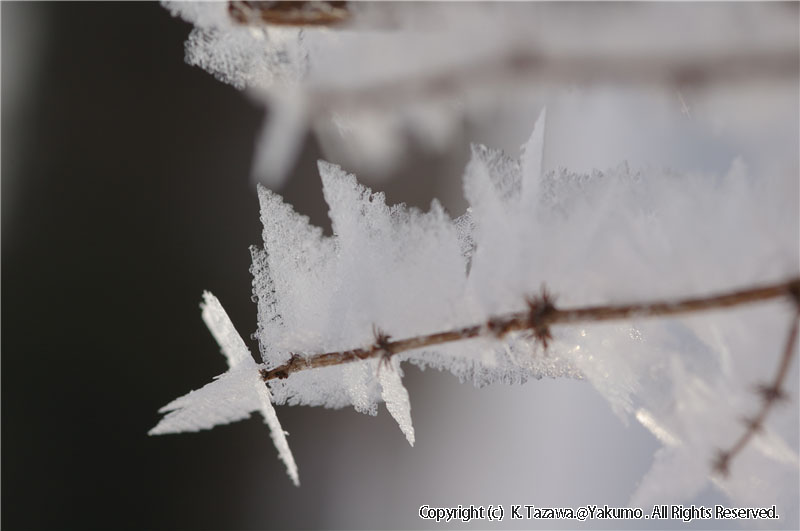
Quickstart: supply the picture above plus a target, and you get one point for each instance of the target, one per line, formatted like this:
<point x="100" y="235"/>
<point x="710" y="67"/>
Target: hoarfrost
<point x="604" y="237"/>
<point x="395" y="395"/>
<point x="613" y="236"/>
<point x="231" y="396"/>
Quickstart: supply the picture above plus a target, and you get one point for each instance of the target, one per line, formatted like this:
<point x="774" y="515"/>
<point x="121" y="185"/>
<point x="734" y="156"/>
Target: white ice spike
<point x="395" y="395"/>
<point x="230" y="397"/>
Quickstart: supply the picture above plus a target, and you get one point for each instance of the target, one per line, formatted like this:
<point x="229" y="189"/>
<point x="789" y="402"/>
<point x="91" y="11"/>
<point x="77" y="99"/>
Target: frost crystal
<point x="396" y="397"/>
<point x="231" y="396"/>
<point x="607" y="237"/>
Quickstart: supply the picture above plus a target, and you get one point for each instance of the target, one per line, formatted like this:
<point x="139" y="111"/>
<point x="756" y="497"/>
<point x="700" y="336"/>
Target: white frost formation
<point x="615" y="236"/>
<point x="231" y="396"/>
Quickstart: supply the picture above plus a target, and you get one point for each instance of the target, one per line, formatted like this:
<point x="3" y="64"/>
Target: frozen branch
<point x="542" y="313"/>
<point x="538" y="318"/>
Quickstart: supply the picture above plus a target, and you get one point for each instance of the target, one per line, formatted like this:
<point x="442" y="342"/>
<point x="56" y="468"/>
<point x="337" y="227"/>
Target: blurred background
<point x="127" y="191"/>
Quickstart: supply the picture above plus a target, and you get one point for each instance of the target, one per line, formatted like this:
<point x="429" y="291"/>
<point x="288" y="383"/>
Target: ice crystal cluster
<point x="615" y="235"/>
<point x="604" y="237"/>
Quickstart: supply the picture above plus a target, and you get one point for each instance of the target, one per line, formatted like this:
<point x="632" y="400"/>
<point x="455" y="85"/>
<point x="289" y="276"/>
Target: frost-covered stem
<point x="541" y="313"/>
<point x="770" y="393"/>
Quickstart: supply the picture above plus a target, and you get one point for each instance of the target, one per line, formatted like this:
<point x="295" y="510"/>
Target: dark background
<point x="125" y="194"/>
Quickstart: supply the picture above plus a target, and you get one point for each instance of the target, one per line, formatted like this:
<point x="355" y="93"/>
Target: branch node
<point x="770" y="393"/>
<point x="722" y="462"/>
<point x="794" y="292"/>
<point x="753" y="424"/>
<point x="540" y="309"/>
<point x="382" y="345"/>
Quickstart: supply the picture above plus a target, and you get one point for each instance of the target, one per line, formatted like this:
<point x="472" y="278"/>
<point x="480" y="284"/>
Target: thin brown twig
<point x="770" y="393"/>
<point x="538" y="318"/>
<point x="542" y="313"/>
<point x="291" y="13"/>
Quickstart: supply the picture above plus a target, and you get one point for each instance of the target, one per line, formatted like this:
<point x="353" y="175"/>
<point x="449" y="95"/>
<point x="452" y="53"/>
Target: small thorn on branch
<point x="383" y="347"/>
<point x="753" y="424"/>
<point x="794" y="292"/>
<point x="540" y="311"/>
<point x="722" y="463"/>
<point x="770" y="393"/>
